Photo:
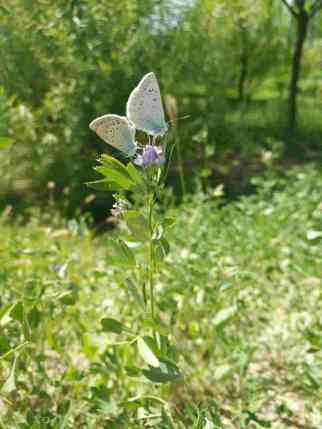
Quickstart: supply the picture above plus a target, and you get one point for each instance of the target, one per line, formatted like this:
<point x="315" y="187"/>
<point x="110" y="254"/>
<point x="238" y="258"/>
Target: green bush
<point x="81" y="59"/>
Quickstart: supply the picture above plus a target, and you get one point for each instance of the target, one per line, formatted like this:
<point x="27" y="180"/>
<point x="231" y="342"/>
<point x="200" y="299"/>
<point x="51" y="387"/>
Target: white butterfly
<point x="144" y="107"/>
<point x="117" y="131"/>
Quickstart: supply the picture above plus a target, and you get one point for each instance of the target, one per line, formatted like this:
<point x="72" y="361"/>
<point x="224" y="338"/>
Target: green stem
<point x="151" y="256"/>
<point x="145" y="299"/>
<point x="180" y="166"/>
<point x="151" y="280"/>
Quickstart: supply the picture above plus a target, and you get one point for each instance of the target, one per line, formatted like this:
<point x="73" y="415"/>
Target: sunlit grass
<point x="242" y="286"/>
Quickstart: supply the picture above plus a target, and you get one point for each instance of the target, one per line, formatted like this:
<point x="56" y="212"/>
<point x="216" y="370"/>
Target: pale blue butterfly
<point x="144" y="107"/>
<point x="144" y="112"/>
<point x="117" y="131"/>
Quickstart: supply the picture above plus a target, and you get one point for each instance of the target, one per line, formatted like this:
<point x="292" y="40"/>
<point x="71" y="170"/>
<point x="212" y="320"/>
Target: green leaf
<point x="146" y="353"/>
<point x="115" y="172"/>
<point x="5" y="316"/>
<point x="132" y="405"/>
<point x="17" y="312"/>
<point x="112" y="325"/>
<point x="34" y="318"/>
<point x="167" y="419"/>
<point x="156" y="325"/>
<point x="104" y="185"/>
<point x="165" y="245"/>
<point x="137" y="224"/>
<point x="123" y="254"/>
<point x="224" y="315"/>
<point x="124" y="182"/>
<point x="133" y="371"/>
<point x="4" y="345"/>
<point x="151" y="343"/>
<point x="134" y="173"/>
<point x="69" y="296"/>
<point x="168" y="350"/>
<point x="14" y="350"/>
<point x="165" y="373"/>
<point x="133" y="290"/>
<point x="26" y="328"/>
<point x="161" y="248"/>
<point x="10" y="383"/>
<point x="63" y="407"/>
<point x="114" y="164"/>
<point x="5" y="142"/>
<point x="314" y="338"/>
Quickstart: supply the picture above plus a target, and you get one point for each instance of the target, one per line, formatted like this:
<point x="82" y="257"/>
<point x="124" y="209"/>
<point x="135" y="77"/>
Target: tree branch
<point x="289" y="7"/>
<point x="316" y="7"/>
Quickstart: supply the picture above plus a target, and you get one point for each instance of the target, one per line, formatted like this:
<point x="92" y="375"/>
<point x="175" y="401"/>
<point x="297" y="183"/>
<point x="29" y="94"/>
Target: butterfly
<point x="144" y="112"/>
<point x="144" y="107"/>
<point x="117" y="131"/>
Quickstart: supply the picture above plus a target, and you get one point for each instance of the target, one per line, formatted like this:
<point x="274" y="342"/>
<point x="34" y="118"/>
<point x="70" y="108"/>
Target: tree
<point x="250" y="31"/>
<point x="302" y="11"/>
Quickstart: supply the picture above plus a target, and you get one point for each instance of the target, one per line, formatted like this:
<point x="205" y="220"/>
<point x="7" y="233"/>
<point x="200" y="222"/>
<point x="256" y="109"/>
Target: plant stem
<point x="144" y="293"/>
<point x="180" y="166"/>
<point x="151" y="279"/>
<point x="151" y="256"/>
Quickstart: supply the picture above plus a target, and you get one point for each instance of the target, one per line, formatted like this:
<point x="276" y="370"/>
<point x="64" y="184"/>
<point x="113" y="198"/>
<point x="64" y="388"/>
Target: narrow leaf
<point x="115" y="171"/>
<point x="14" y="350"/>
<point x="164" y="374"/>
<point x="104" y="185"/>
<point x="10" y="383"/>
<point x="114" y="176"/>
<point x="162" y="248"/>
<point x="134" y="173"/>
<point x="147" y="354"/>
<point x="114" y="164"/>
<point x="112" y="325"/>
<point x="5" y="314"/>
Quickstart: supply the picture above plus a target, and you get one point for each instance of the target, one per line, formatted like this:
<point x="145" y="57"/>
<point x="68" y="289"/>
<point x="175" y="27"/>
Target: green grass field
<point x="241" y="295"/>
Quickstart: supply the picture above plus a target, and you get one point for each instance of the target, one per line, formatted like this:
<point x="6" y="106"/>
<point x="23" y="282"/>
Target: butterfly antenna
<point x="178" y="119"/>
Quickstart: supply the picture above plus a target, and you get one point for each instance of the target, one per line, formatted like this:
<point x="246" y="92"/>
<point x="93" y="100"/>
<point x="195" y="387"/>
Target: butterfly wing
<point x="144" y="107"/>
<point x="116" y="131"/>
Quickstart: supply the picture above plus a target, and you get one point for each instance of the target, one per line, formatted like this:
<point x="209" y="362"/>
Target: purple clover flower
<point x="151" y="155"/>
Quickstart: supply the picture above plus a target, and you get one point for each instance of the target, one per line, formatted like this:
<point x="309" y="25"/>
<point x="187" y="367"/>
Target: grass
<point x="242" y="288"/>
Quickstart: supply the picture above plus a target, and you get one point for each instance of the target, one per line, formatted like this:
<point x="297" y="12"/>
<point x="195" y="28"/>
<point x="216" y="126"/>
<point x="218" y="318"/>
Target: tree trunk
<point x="302" y="21"/>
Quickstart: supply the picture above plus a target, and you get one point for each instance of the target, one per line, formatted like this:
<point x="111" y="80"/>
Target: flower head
<point x="151" y="155"/>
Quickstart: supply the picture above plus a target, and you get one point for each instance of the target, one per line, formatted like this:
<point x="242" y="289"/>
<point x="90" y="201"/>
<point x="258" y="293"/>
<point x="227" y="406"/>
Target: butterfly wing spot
<point x="116" y="131"/>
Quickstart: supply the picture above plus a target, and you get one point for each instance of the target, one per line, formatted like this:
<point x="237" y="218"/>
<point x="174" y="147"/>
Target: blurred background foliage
<point x="227" y="63"/>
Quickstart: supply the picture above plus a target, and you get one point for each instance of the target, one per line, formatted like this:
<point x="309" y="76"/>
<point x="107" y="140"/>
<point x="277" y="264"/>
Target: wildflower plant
<point x="138" y="185"/>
